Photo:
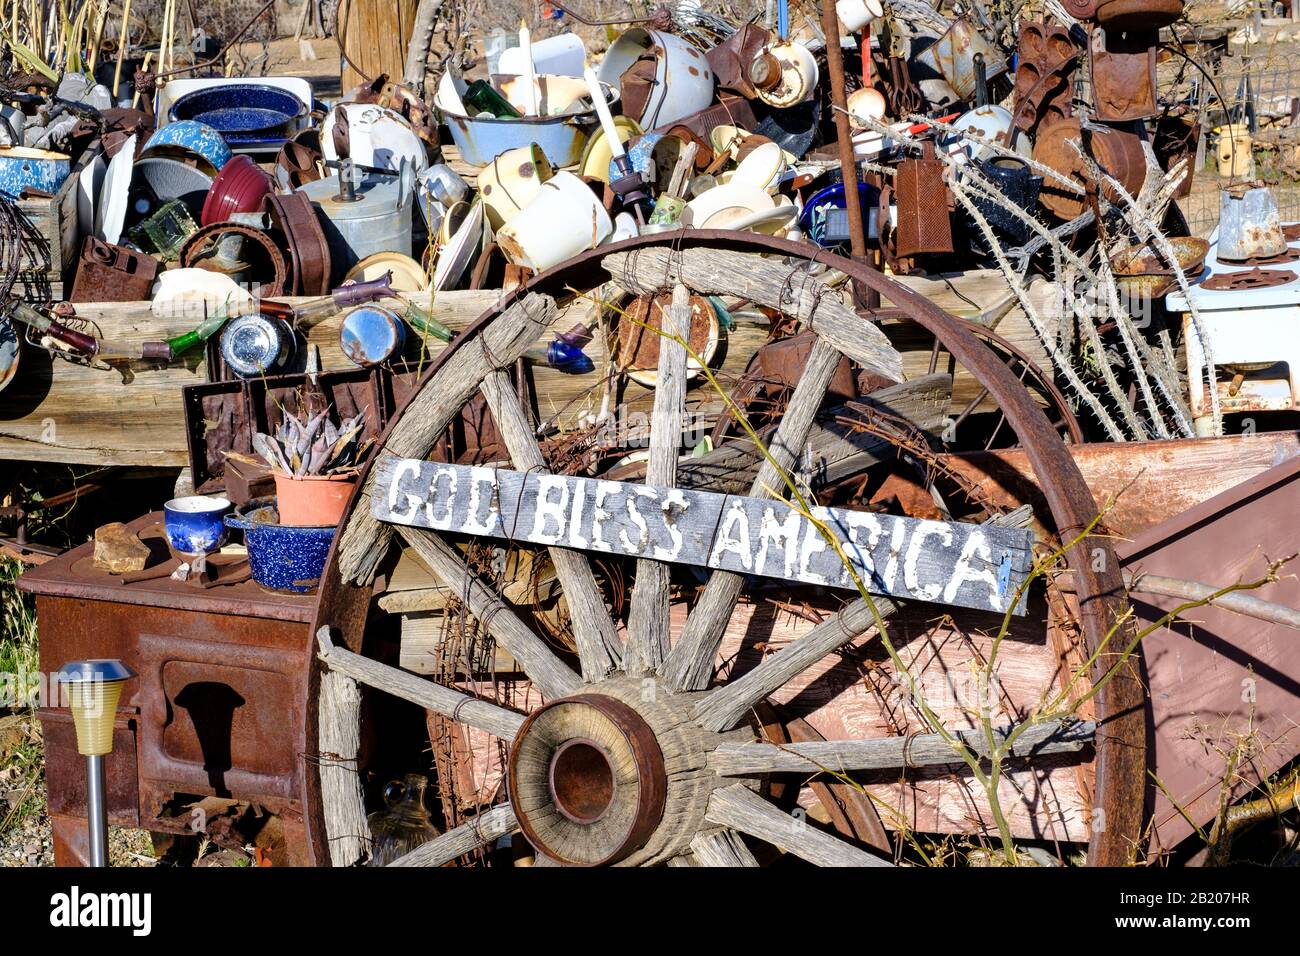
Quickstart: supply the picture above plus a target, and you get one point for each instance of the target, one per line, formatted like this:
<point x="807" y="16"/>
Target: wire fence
<point x="1259" y="87"/>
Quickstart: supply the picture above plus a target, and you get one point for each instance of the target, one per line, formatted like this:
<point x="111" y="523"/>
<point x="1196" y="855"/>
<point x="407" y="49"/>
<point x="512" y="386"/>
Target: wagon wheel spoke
<point x="728" y="705"/>
<point x="647" y="624"/>
<point x="552" y="676"/>
<point x="438" y="698"/>
<point x="892" y="753"/>
<point x="689" y="664"/>
<point x="741" y="809"/>
<point x="721" y="848"/>
<point x="484" y="830"/>
<point x="599" y="649"/>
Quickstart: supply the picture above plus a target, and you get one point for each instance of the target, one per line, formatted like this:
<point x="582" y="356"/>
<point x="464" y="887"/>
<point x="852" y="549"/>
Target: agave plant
<point x="312" y="447"/>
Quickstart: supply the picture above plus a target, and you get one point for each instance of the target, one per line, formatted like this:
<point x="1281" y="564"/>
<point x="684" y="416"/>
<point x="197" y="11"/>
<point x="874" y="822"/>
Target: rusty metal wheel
<point x="646" y="752"/>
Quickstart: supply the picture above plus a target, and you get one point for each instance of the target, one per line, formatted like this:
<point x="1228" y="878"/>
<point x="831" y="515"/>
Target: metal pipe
<point x="840" y="102"/>
<point x="96" y="811"/>
<point x="1244" y="604"/>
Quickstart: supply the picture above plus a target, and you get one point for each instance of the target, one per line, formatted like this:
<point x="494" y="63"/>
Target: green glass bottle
<point x="482" y="97"/>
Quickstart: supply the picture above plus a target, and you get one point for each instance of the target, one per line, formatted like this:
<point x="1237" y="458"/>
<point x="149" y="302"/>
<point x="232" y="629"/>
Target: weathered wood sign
<point x="966" y="565"/>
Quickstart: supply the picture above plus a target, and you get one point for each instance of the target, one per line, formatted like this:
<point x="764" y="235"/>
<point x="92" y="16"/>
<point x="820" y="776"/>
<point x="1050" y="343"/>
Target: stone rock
<point x="118" y="550"/>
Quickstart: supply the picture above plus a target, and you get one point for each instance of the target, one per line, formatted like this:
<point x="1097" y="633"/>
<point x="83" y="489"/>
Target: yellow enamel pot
<point x="511" y="181"/>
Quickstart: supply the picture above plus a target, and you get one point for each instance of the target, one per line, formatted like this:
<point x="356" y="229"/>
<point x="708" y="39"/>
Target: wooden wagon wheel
<point x="636" y="759"/>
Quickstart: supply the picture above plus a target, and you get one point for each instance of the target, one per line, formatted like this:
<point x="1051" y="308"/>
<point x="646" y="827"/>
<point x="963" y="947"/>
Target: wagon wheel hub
<point x="587" y="779"/>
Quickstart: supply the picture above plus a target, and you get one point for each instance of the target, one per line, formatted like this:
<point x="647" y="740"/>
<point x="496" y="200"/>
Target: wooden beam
<point x="766" y="281"/>
<point x="56" y="411"/>
<point x="647" y="625"/>
<point x="892" y="753"/>
<point x="741" y="809"/>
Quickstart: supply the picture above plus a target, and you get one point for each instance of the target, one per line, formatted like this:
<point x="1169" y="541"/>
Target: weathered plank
<point x="342" y="802"/>
<point x="58" y="411"/>
<point x="954" y="563"/>
<point x="1143" y="483"/>
<point x="648" y="616"/>
<point x="892" y="753"/>
<point x="743" y="810"/>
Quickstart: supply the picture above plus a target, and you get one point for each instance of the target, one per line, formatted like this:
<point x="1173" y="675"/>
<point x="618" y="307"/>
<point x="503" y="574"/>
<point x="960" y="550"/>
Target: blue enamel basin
<point x="243" y="113"/>
<point x="281" y="557"/>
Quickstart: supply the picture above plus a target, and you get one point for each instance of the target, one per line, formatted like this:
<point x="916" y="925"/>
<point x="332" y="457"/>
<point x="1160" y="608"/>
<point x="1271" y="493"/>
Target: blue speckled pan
<point x="282" y="558"/>
<point x="245" y="114"/>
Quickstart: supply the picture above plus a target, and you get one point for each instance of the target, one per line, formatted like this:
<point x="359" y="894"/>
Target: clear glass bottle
<point x="405" y="825"/>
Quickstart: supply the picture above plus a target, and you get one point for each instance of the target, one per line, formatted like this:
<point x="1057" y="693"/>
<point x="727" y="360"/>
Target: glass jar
<point x="405" y="825"/>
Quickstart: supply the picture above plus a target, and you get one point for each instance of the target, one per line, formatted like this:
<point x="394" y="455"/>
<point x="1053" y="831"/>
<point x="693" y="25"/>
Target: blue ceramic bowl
<point x="245" y="114"/>
<point x="23" y="168"/>
<point x="282" y="558"/>
<point x="814" y="210"/>
<point x="195" y="524"/>
<point x="193" y="138"/>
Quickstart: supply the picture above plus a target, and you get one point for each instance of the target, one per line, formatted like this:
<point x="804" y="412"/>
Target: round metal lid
<point x="105" y="669"/>
<point x="255" y="344"/>
<point x="371" y="335"/>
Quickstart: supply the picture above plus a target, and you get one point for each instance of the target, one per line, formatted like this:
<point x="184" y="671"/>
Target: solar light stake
<point x="94" y="687"/>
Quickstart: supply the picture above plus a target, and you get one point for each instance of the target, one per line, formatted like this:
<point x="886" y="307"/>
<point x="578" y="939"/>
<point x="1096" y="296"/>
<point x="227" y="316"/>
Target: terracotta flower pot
<point x="313" y="501"/>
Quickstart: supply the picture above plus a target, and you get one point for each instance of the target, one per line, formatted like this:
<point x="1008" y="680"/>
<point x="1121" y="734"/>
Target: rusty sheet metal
<point x="952" y="56"/>
<point x="732" y="60"/>
<point x="1044" y="99"/>
<point x="74" y="575"/>
<point x="921" y="194"/>
<point x="65" y="768"/>
<point x="1248" y="279"/>
<point x="1146" y="483"/>
<point x="1225" y="674"/>
<point x="1122" y="67"/>
<point x="1121" y="740"/>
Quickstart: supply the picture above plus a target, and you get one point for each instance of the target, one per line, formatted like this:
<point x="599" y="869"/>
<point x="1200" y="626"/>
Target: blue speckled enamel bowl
<point x="190" y="138"/>
<point x="195" y="524"/>
<point x="245" y="114"/>
<point x="24" y="168"/>
<point x="281" y="557"/>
